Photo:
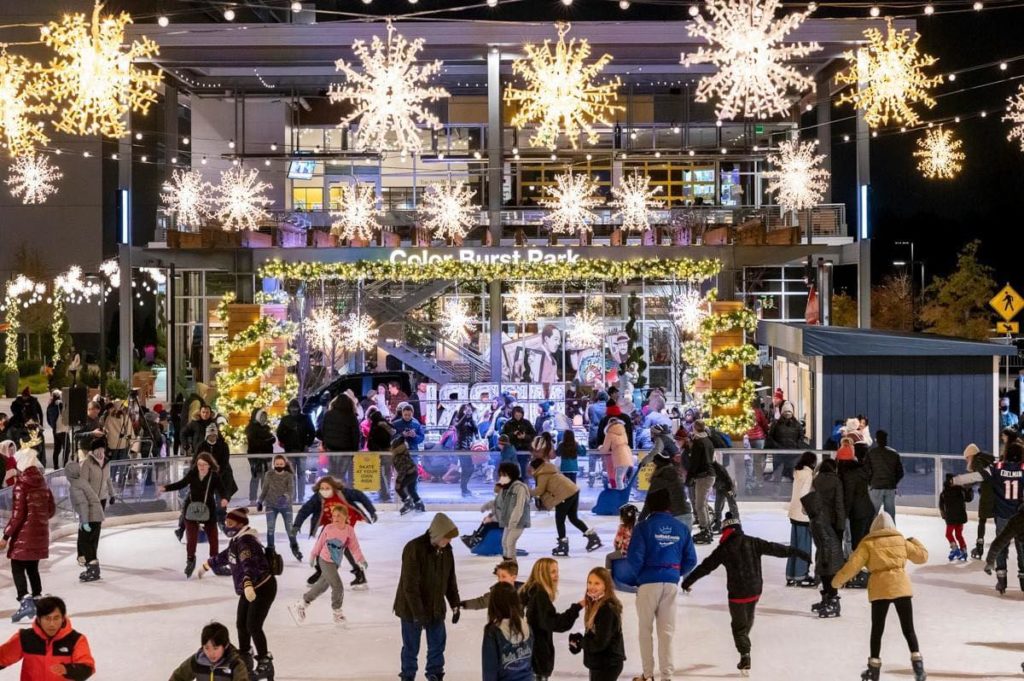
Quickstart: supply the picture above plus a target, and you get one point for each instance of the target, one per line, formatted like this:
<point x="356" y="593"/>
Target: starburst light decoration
<point x="752" y="77"/>
<point x="456" y="321"/>
<point x="73" y="288"/>
<point x="1015" y="114"/>
<point x="22" y="97"/>
<point x="523" y="301"/>
<point x="32" y="178"/>
<point x="358" y="332"/>
<point x="186" y="195"/>
<point x="889" y="77"/>
<point x="323" y="329"/>
<point x="561" y="94"/>
<point x="571" y="199"/>
<point x="94" y="77"/>
<point x="689" y="309"/>
<point x="241" y="199"/>
<point x="797" y="175"/>
<point x="446" y="210"/>
<point x="390" y="94"/>
<point x="634" y="198"/>
<point x="587" y="330"/>
<point x="357" y="218"/>
<point x="939" y="154"/>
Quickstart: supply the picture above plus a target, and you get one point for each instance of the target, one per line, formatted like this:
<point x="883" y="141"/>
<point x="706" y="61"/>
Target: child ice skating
<point x="276" y="494"/>
<point x="508" y="642"/>
<point x="539" y="594"/>
<point x="27" y="534"/>
<point x="336" y="540"/>
<point x="604" y="652"/>
<point x="953" y="508"/>
<point x="507" y="572"/>
<point x="331" y="492"/>
<point x="623" y="535"/>
<point x="406" y="476"/>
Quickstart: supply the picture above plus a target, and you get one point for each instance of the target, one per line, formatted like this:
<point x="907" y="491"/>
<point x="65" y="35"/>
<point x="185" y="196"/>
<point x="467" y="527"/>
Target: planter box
<point x="717" y="236"/>
<point x="176" y="239"/>
<point x="320" y="239"/>
<point x="787" y="236"/>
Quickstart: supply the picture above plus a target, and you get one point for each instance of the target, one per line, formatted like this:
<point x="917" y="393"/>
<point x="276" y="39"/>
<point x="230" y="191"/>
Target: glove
<point x="575" y="643"/>
<point x="249" y="592"/>
<point x="259" y="507"/>
<point x="456" y="614"/>
<point x="203" y="569"/>
<point x="86" y="527"/>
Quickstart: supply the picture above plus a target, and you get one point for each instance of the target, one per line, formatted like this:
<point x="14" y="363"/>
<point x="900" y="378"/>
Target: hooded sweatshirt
<point x="428" y="577"/>
<point x="505" y="655"/>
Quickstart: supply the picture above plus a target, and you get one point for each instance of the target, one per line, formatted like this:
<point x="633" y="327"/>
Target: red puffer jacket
<point x="28" y="530"/>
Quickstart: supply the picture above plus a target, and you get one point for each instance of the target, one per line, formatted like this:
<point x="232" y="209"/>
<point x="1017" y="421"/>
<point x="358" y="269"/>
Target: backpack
<point x="274" y="561"/>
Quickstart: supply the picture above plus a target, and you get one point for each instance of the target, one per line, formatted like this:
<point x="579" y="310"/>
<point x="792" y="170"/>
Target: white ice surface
<point x="143" y="618"/>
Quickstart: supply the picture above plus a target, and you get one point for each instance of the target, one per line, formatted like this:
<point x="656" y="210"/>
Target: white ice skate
<point x="298" y="611"/>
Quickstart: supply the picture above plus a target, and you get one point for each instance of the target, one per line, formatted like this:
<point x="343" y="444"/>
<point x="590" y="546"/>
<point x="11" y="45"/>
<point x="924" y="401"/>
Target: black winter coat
<point x="427" y="579"/>
<point x="219" y="451"/>
<point x="295" y="433"/>
<point x="259" y="439"/>
<point x="833" y="508"/>
<point x="195" y="432"/>
<point x="603" y="647"/>
<point x="986" y="496"/>
<point x="666" y="476"/>
<point x="856" y="500"/>
<point x="520" y="433"/>
<point x="741" y="556"/>
<point x="828" y="557"/>
<point x="953" y="504"/>
<point x="723" y="481"/>
<point x="544" y="620"/>
<point x="379" y="439"/>
<point x="340" y="431"/>
<point x="206" y="489"/>
<point x="702" y="455"/>
<point x="785" y="434"/>
<point x="885" y="470"/>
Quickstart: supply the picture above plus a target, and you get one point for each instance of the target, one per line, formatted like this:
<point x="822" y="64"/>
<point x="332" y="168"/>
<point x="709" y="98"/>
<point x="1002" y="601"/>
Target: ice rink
<point x="144" y="618"/>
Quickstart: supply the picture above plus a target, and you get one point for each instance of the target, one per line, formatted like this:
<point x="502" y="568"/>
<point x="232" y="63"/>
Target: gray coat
<point x="90" y="486"/>
<point x="512" y="505"/>
<point x="278" y="487"/>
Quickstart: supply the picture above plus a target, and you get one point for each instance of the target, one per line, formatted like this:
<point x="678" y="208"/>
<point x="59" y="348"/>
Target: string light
<point x="33" y="179"/>
<point x="446" y="210"/>
<point x="561" y="94"/>
<point x="21" y="98"/>
<point x="939" y="154"/>
<point x="358" y="333"/>
<point x="1015" y="114"/>
<point x="587" y="330"/>
<point x="357" y="218"/>
<point x="162" y="21"/>
<point x="797" y="175"/>
<point x="889" y="75"/>
<point x="753" y="75"/>
<point x="456" y="321"/>
<point x="390" y="93"/>
<point x="241" y="202"/>
<point x="634" y="198"/>
<point x="94" y="77"/>
<point x="186" y="197"/>
<point x="571" y="199"/>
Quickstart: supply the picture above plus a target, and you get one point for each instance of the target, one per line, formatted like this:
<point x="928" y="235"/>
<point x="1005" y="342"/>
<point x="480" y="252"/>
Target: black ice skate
<point x="407" y="507"/>
<point x="264" y="669"/>
<point x="248" y="661"/>
<point x="593" y="541"/>
<point x="917" y="662"/>
<point x="562" y="549"/>
<point x="419" y="507"/>
<point x="744" y="665"/>
<point x="190" y="567"/>
<point x="873" y="671"/>
<point x="702" y="537"/>
<point x="26" y="611"/>
<point x="91" y="574"/>
<point x="1001" y="581"/>
<point x="830" y="608"/>
<point x="360" y="581"/>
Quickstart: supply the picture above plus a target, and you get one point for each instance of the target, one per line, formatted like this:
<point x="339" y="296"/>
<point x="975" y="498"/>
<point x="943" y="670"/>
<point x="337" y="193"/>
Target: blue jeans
<point x="286" y="516"/>
<point x="799" y="538"/>
<point x="884" y="498"/>
<point x="436" y="638"/>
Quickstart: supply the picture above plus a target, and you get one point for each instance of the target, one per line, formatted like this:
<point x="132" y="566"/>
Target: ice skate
<point x="248" y="661"/>
<point x="744" y="665"/>
<point x="339" y="616"/>
<point x="873" y="671"/>
<point x="979" y="550"/>
<point x="702" y="537"/>
<point x="360" y="581"/>
<point x="294" y="543"/>
<point x="562" y="549"/>
<point x="593" y="541"/>
<point x="179" y="533"/>
<point x="91" y="574"/>
<point x="830" y="608"/>
<point x="963" y="555"/>
<point x="954" y="554"/>
<point x="917" y="662"/>
<point x="264" y="670"/>
<point x="643" y="678"/>
<point x="808" y="582"/>
<point x="1001" y="581"/>
<point x="407" y="507"/>
<point x="190" y="567"/>
<point x="298" y="611"/>
<point x="26" y="611"/>
<point x="419" y="507"/>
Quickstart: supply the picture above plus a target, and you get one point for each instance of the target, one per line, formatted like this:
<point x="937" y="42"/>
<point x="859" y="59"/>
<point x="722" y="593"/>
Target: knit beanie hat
<point x="25" y="459"/>
<point x="729" y="521"/>
<point x="239" y="516"/>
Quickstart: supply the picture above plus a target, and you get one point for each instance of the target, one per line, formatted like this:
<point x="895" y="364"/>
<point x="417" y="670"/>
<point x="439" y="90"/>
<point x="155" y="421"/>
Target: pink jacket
<point x="617" y="444"/>
<point x="345" y="535"/>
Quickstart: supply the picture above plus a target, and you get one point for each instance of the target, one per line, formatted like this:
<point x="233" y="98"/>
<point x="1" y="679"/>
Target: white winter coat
<point x="802" y="479"/>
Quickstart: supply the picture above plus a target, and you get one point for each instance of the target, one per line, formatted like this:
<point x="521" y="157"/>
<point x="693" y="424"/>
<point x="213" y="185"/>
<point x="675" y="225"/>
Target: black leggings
<point x="89" y="542"/>
<point x="251" y="616"/>
<point x="905" y="611"/>
<point x="25" y="572"/>
<point x="569" y="509"/>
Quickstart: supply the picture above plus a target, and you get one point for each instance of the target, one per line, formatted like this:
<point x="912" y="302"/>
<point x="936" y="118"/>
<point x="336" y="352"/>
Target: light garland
<point x="94" y="77"/>
<point x="797" y="175"/>
<point x="939" y="154"/>
<point x="586" y="331"/>
<point x="264" y="328"/>
<point x="752" y="75"/>
<point x="357" y="218"/>
<point x="390" y="94"/>
<point x="241" y="202"/>
<point x="522" y="302"/>
<point x="359" y="332"/>
<point x="446" y="210"/>
<point x="22" y="96"/>
<point x="561" y="94"/>
<point x="689" y="309"/>
<point x="187" y="195"/>
<point x="456" y="321"/>
<point x="582" y="270"/>
<point x="889" y="77"/>
<point x="33" y="178"/>
<point x="20" y="293"/>
<point x="1015" y="114"/>
<point x="634" y="198"/>
<point x="571" y="199"/>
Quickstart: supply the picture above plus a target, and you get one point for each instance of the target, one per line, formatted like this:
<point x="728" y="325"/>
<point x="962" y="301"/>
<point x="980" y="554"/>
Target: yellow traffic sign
<point x="1007" y="303"/>
<point x="1008" y="327"/>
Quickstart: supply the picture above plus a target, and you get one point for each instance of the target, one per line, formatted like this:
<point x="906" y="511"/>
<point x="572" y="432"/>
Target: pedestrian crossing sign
<point x="1007" y="303"/>
<point x="1008" y="328"/>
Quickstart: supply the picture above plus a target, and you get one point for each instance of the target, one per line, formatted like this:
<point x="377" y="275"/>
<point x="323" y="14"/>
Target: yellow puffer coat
<point x="884" y="552"/>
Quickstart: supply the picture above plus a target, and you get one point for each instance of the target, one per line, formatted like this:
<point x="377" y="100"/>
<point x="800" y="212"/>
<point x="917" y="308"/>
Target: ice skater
<point x="276" y="494"/>
<point x="953" y="508"/>
<point x="88" y="478"/>
<point x="406" y="476"/>
<point x="337" y="539"/>
<point x="539" y="594"/>
<point x="27" y="534"/>
<point x="561" y="494"/>
<point x="204" y="485"/>
<point x="215" y="659"/>
<point x="331" y="492"/>
<point x="604" y="651"/>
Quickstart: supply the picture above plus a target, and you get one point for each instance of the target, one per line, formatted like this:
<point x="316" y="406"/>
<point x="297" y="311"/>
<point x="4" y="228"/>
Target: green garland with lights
<point x="592" y="269"/>
<point x="264" y="328"/>
<point x="11" y="349"/>
<point x="58" y="326"/>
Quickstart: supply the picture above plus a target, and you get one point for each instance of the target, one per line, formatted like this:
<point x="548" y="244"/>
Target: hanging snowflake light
<point x="74" y="288"/>
<point x="390" y="94"/>
<point x="939" y="154"/>
<point x="358" y="332"/>
<point x="357" y="218"/>
<point x="22" y="96"/>
<point x="752" y="77"/>
<point x="889" y="76"/>
<point x="111" y="269"/>
<point x="186" y="196"/>
<point x="689" y="309"/>
<point x="634" y="198"/>
<point x="446" y="210"/>
<point x="522" y="302"/>
<point x="456" y="321"/>
<point x="572" y="197"/>
<point x="323" y="329"/>
<point x="587" y="331"/>
<point x="561" y="94"/>
<point x="32" y="178"/>
<point x="1015" y="114"/>
<point x="797" y="175"/>
<point x="94" y="77"/>
<point x="241" y="202"/>
<point x="25" y="289"/>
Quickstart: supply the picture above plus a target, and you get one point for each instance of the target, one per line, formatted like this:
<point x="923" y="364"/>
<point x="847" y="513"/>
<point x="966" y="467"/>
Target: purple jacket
<point x="247" y="559"/>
